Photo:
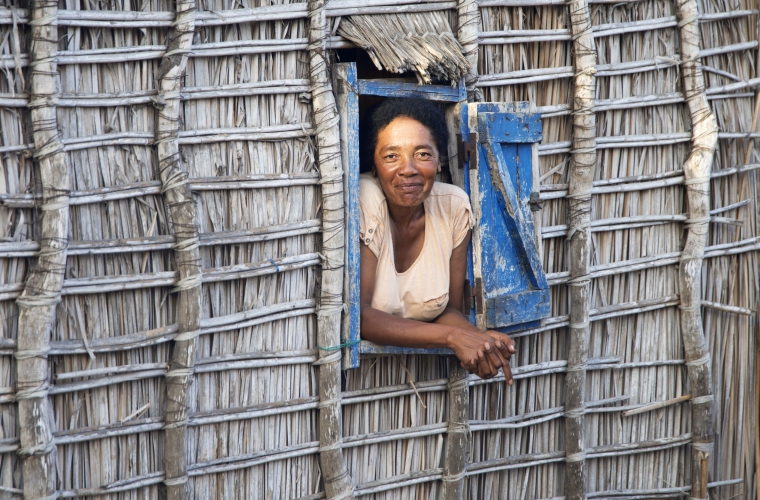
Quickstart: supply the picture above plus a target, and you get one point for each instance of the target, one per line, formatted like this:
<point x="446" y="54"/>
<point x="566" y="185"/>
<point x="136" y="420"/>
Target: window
<point x="493" y="161"/>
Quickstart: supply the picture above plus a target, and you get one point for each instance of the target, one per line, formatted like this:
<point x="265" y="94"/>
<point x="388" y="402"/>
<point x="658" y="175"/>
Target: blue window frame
<point x="494" y="165"/>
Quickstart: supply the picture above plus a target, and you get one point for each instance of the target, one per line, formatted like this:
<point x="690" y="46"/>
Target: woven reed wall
<point x="246" y="142"/>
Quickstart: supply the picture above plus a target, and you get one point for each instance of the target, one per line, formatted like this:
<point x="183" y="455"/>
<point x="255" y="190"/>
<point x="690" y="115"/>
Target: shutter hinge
<point x="535" y="202"/>
<point x="467" y="299"/>
<point x="467" y="150"/>
<point x="478" y="295"/>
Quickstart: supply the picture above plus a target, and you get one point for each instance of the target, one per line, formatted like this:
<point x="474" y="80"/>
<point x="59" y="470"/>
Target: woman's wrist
<point x="453" y="337"/>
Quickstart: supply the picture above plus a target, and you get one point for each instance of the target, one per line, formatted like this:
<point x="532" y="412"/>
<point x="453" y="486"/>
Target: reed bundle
<point x="423" y="43"/>
<point x="237" y="105"/>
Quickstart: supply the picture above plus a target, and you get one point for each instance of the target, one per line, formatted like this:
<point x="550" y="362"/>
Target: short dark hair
<point x="420" y="110"/>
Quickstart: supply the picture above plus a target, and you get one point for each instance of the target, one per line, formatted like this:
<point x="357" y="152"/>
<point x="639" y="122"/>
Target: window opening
<point x="493" y="161"/>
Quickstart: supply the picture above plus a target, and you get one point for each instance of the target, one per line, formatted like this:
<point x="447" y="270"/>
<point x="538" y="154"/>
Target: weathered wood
<point x="41" y="293"/>
<point x="697" y="184"/>
<point x="179" y="200"/>
<point x="347" y="101"/>
<point x="657" y="406"/>
<point x="164" y="19"/>
<point x="468" y="15"/>
<point x="166" y="242"/>
<point x="507" y="269"/>
<point x="103" y="284"/>
<point x="757" y="411"/>
<point x="581" y="176"/>
<point x="458" y="441"/>
<point x="441" y="93"/>
<point x="337" y="481"/>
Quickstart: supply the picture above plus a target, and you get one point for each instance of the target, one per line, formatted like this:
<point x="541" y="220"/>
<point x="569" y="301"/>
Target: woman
<point x="415" y="234"/>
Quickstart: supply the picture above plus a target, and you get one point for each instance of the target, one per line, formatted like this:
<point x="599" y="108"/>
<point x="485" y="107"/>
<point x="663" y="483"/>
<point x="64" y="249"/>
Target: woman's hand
<point x="506" y="347"/>
<point x="483" y="353"/>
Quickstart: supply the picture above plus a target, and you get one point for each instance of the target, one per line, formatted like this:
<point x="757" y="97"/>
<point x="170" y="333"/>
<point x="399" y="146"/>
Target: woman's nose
<point x="408" y="168"/>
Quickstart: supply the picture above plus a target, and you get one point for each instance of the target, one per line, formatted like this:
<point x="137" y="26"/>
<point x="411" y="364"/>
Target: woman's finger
<point x="507" y="341"/>
<point x="502" y="361"/>
<point x="484" y="365"/>
<point x="494" y="358"/>
<point x="503" y="349"/>
<point x="507" y="372"/>
<point x="468" y="365"/>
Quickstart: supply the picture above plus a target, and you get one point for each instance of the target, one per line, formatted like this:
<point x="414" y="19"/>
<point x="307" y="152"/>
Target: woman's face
<point x="406" y="161"/>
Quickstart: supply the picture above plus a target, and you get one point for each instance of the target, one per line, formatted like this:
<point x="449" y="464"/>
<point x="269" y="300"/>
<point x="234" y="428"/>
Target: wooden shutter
<point x="510" y="287"/>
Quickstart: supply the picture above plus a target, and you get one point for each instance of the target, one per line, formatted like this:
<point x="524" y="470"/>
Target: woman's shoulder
<point x="371" y="197"/>
<point x="370" y="192"/>
<point x="456" y="193"/>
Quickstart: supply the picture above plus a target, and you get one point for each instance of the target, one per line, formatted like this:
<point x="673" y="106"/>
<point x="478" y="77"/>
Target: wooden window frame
<point x="348" y="88"/>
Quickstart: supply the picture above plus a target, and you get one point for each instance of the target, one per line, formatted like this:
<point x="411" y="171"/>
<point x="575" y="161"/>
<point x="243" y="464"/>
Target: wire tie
<point x="699" y="361"/>
<point x="40" y="391"/>
<point x="329" y="402"/>
<point x="576" y="413"/>
<point x="40" y="449"/>
<point x="32" y="353"/>
<point x="350" y="343"/>
<point x="277" y="268"/>
<point x="176" y="481"/>
<point x="576" y="368"/>
<point x="702" y="399"/>
<point x="453" y="478"/>
<point x="329" y="447"/>
<point x="174" y="425"/>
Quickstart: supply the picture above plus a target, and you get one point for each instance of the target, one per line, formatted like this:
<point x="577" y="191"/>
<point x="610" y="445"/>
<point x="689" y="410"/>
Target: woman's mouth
<point x="406" y="188"/>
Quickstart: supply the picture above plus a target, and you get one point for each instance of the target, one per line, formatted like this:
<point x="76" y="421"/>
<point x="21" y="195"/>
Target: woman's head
<point x="403" y="139"/>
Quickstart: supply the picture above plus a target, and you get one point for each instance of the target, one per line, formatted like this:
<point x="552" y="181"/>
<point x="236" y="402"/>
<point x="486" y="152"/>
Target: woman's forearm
<point x="383" y="328"/>
<point x="452" y="316"/>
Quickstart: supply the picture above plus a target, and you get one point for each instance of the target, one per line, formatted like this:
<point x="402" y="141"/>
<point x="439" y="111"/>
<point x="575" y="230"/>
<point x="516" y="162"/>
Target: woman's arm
<point x="383" y="328"/>
<point x="453" y="315"/>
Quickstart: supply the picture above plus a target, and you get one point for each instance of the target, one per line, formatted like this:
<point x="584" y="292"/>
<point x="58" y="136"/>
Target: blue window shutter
<point x="511" y="288"/>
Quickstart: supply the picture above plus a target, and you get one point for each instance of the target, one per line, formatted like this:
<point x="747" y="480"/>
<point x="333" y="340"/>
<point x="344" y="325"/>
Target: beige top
<point x="422" y="291"/>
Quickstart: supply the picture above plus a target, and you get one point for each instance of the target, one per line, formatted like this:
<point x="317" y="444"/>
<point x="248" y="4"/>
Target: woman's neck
<point x="404" y="217"/>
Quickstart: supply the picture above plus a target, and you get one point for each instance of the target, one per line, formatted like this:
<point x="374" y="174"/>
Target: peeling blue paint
<point x="514" y="283"/>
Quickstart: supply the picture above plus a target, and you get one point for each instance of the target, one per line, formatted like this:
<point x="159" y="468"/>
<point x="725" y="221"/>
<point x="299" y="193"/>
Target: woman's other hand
<point x="506" y="347"/>
<point x="482" y="353"/>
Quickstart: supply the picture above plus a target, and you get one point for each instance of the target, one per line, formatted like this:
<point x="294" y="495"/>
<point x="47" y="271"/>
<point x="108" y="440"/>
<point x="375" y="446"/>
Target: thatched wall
<point x="246" y="140"/>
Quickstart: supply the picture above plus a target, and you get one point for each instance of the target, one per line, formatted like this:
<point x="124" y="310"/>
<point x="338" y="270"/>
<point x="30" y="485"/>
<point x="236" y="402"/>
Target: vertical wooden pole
<point x="42" y="292"/>
<point x="697" y="169"/>
<point x="458" y="439"/>
<point x="458" y="435"/>
<point x="337" y="481"/>
<point x="467" y="34"/>
<point x="179" y="200"/>
<point x="757" y="406"/>
<point x="582" y="165"/>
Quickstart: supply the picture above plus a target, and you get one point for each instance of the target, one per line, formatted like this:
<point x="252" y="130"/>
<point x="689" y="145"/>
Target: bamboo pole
<point x="178" y="196"/>
<point x="697" y="183"/>
<point x="467" y="34"/>
<point x="757" y="407"/>
<point x="337" y="481"/>
<point x="458" y="441"/>
<point x="458" y="431"/>
<point x="42" y="291"/>
<point x="582" y="164"/>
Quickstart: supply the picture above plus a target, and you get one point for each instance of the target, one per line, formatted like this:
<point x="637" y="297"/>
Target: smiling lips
<point x="406" y="188"/>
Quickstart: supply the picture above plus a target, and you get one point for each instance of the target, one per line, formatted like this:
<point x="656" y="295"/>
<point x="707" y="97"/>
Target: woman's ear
<point x="439" y="166"/>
